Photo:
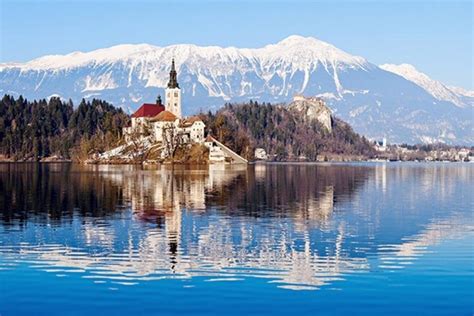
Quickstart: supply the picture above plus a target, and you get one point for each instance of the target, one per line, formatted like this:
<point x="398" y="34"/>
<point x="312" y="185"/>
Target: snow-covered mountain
<point x="404" y="106"/>
<point x="437" y="89"/>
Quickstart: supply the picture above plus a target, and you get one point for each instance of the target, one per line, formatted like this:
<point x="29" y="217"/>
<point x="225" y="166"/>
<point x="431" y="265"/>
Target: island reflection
<point x="295" y="225"/>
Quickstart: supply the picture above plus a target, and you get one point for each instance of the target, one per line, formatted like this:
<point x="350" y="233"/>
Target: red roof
<point x="149" y="110"/>
<point x="165" y="116"/>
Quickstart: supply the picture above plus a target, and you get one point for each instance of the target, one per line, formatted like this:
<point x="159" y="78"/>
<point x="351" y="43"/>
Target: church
<point x="158" y="122"/>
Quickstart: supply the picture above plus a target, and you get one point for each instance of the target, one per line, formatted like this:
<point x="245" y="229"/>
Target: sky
<point x="434" y="36"/>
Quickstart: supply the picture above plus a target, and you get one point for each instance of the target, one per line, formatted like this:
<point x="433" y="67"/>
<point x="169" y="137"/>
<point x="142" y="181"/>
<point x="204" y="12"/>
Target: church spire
<point x="173" y="83"/>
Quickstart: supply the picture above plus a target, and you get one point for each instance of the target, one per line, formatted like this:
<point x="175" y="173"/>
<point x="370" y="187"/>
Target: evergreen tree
<point x="37" y="129"/>
<point x="281" y="133"/>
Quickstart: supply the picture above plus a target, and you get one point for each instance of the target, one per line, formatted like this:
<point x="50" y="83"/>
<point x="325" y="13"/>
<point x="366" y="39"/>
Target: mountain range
<point x="393" y="101"/>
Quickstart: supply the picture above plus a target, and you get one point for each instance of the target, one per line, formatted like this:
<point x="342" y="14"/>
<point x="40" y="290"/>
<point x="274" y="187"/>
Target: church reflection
<point x="299" y="226"/>
<point x="307" y="198"/>
<point x="217" y="219"/>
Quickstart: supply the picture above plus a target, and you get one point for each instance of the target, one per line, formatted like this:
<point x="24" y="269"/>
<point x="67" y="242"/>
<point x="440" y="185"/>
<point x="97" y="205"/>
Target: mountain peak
<point x="298" y="42"/>
<point x="298" y="39"/>
<point x="310" y="50"/>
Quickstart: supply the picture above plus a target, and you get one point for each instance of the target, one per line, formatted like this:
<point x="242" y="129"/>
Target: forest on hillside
<point x="283" y="134"/>
<point x="31" y="130"/>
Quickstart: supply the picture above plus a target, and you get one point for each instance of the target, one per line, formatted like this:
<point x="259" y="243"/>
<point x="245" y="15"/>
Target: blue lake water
<point x="289" y="239"/>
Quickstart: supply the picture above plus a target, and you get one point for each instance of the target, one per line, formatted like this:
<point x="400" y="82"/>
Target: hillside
<point x="32" y="130"/>
<point x="377" y="101"/>
<point x="284" y="134"/>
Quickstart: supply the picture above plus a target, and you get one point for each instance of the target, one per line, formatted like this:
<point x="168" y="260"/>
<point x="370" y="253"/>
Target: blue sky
<point x="434" y="36"/>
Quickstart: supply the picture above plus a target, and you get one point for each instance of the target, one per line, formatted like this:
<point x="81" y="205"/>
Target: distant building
<point x="381" y="145"/>
<point x="462" y="154"/>
<point x="260" y="154"/>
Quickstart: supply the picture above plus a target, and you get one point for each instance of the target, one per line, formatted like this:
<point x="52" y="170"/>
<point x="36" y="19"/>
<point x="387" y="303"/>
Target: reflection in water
<point x="397" y="255"/>
<point x="300" y="226"/>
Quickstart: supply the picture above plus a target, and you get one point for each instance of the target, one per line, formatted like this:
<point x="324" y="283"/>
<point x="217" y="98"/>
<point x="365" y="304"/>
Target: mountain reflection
<point x="300" y="226"/>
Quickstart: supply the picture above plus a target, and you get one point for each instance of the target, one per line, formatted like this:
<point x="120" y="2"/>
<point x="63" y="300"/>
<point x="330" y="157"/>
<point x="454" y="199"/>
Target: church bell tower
<point x="173" y="93"/>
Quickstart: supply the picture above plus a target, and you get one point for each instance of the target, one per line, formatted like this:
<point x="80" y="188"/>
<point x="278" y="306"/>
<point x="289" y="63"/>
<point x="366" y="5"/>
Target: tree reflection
<point x="54" y="192"/>
<point x="298" y="225"/>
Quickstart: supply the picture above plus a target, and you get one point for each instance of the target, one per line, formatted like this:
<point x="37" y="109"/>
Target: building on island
<point x="192" y="129"/>
<point x="142" y="115"/>
<point x="163" y="123"/>
<point x="219" y="152"/>
<point x="155" y="121"/>
<point x="215" y="152"/>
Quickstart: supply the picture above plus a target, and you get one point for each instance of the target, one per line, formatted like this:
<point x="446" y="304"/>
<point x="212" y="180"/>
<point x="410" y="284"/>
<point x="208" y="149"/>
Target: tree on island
<point x="137" y="139"/>
<point x="172" y="140"/>
<point x="283" y="134"/>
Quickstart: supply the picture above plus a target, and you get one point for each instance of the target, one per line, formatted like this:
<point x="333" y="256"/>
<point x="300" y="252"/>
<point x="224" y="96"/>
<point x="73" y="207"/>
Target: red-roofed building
<point x="148" y="110"/>
<point x="141" y="117"/>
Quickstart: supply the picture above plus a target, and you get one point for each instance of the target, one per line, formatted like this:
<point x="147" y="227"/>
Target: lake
<point x="289" y="239"/>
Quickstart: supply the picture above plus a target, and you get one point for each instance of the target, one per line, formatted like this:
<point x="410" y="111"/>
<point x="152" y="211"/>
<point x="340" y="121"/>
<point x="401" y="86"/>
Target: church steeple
<point x="173" y="93"/>
<point x="173" y="83"/>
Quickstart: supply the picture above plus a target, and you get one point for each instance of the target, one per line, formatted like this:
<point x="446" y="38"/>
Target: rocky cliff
<point x="312" y="108"/>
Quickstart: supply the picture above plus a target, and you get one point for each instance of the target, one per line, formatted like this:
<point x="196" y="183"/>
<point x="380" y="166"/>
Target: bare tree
<point x="138" y="138"/>
<point x="172" y="140"/>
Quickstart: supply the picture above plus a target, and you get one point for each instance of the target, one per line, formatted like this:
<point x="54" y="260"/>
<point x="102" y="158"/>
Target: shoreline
<point x="257" y="162"/>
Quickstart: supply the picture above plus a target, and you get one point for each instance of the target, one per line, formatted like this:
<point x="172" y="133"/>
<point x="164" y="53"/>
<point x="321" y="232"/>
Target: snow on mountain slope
<point x="433" y="87"/>
<point x="462" y="92"/>
<point x="378" y="103"/>
<point x="297" y="50"/>
<point x="78" y="59"/>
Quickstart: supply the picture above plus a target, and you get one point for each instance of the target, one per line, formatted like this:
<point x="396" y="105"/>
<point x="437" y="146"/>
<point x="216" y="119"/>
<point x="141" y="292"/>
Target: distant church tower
<point x="173" y="93"/>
